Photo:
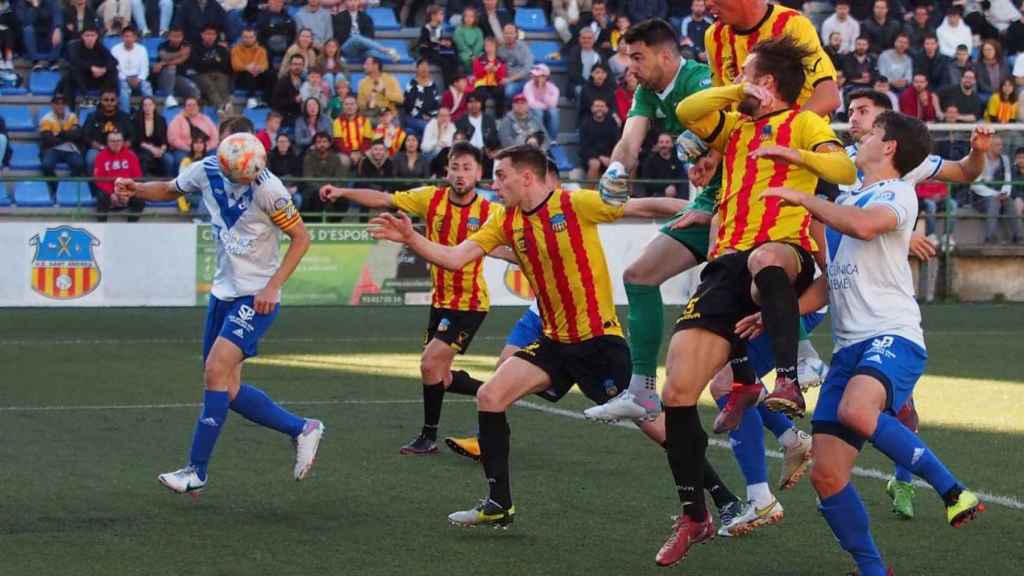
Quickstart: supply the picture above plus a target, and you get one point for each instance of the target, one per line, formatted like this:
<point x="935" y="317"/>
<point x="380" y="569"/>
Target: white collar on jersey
<point x="878" y="184"/>
<point x="664" y="93"/>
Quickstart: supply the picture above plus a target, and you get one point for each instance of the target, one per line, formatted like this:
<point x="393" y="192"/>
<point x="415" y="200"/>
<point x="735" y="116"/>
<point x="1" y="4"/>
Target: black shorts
<point x="723" y="297"/>
<point x="455" y="328"/>
<point x="600" y="366"/>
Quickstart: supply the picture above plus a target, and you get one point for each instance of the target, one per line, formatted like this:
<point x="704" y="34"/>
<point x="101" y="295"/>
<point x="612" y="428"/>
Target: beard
<point x="749" y="106"/>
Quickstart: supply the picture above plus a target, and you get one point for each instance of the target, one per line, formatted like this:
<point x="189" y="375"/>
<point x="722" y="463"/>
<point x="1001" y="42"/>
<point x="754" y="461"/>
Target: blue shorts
<point x="893" y="360"/>
<point x="759" y="350"/>
<point x="236" y="320"/>
<point x="528" y="329"/>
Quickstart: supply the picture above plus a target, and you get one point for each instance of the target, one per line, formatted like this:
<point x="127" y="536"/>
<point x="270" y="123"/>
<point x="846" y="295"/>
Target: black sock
<point x="781" y="312"/>
<point x="950" y="497"/>
<point x="463" y="383"/>
<point x="433" y="398"/>
<point x="720" y="493"/>
<point x="742" y="371"/>
<point x="687" y="444"/>
<point x="494" y="448"/>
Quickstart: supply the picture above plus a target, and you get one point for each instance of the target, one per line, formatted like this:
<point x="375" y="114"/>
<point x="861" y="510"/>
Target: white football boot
<point x="184" y="481"/>
<point x="306" y="445"/>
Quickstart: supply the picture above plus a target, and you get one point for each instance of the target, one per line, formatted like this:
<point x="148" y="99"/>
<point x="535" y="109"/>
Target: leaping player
<point x="248" y="218"/>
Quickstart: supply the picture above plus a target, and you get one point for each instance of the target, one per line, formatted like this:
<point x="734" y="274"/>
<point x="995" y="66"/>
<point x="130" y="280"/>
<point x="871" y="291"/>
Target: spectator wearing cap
<point x="378" y="90"/>
<point x="42" y="22"/>
<point x="454" y="98"/>
<point x="436" y="45"/>
<point x="317" y="20"/>
<point x="518" y="124"/>
<point x="59" y="134"/>
<point x="438" y="134"/>
<point x="251" y="67"/>
<point x="173" y="57"/>
<point x="479" y="126"/>
<point x="518" y="60"/>
<point x="953" y="31"/>
<point x="896" y="63"/>
<point x="90" y="66"/>
<point x="663" y="164"/>
<point x="880" y="28"/>
<point x="132" y="68"/>
<point x="489" y="73"/>
<point x="193" y="16"/>
<point x="599" y="133"/>
<point x="115" y="160"/>
<point x="542" y="96"/>
<point x="421" y="100"/>
<point x="212" y="64"/>
<point x="580" y="60"/>
<point x="841" y="21"/>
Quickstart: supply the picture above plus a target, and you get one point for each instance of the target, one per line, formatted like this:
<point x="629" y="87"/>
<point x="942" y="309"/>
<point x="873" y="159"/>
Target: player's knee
<point x="216" y="375"/>
<point x="488" y="399"/>
<point x="764" y="257"/>
<point x="432" y="369"/>
<point x="826" y="479"/>
<point x="857" y="418"/>
<point x="637" y="273"/>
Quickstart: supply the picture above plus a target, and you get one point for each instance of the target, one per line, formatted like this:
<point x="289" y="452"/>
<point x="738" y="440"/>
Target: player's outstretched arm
<point x="399" y="229"/>
<point x="627" y="149"/>
<point x="968" y="168"/>
<point x="706" y="102"/>
<point x="127" y="188"/>
<point x="824" y="100"/>
<point x="653" y="207"/>
<point x="373" y="199"/>
<point x="860" y="223"/>
<point x="828" y="160"/>
<point x="267" y="298"/>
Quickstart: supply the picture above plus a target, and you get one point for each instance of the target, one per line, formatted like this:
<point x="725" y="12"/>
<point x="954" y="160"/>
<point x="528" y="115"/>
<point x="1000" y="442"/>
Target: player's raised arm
<point x="373" y="199"/>
<point x="300" y="241"/>
<point x="653" y="207"/>
<point x="627" y="149"/>
<point x="703" y="113"/>
<point x="861" y="223"/>
<point x="126" y="188"/>
<point x="399" y="229"/>
<point x="825" y="98"/>
<point x="968" y="168"/>
<point x="828" y="160"/>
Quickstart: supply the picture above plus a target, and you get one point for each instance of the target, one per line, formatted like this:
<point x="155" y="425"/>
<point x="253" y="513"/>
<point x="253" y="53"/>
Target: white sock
<point x="642" y="386"/>
<point x="790" y="438"/>
<point x="806" y="350"/>
<point x="760" y="494"/>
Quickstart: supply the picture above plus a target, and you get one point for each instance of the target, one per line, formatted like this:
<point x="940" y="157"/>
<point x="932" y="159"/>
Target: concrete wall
<point x="985" y="273"/>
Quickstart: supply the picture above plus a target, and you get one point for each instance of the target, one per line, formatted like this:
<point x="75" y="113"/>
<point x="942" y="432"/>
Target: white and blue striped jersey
<point x="871" y="290"/>
<point x="247" y="223"/>
<point x="925" y="171"/>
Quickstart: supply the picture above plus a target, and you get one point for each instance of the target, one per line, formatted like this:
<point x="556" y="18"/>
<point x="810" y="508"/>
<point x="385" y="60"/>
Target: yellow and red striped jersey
<point x="352" y="134"/>
<point x="747" y="220"/>
<point x="727" y="47"/>
<point x="449" y="223"/>
<point x="561" y="255"/>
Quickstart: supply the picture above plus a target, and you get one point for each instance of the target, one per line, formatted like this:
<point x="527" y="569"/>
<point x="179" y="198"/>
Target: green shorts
<point x="695" y="238"/>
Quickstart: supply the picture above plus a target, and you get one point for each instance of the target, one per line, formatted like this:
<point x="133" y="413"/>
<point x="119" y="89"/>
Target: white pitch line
<point x="1006" y="501"/>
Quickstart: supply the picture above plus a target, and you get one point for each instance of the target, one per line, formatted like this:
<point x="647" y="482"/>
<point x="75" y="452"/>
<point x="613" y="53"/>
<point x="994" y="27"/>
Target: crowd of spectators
<point x="945" y="61"/>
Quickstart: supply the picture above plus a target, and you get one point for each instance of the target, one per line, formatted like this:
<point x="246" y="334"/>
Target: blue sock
<point x="903" y="475"/>
<point x="254" y="405"/>
<point x="907" y="449"/>
<point x="845" y="513"/>
<point x="215" y="412"/>
<point x="777" y="422"/>
<point x="748" y="445"/>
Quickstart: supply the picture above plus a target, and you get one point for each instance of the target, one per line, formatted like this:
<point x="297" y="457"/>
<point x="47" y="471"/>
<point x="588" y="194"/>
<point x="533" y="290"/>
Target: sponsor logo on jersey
<point x="64" y="266"/>
<point x="558" y="223"/>
<point x="246" y="313"/>
<point x="689" y="313"/>
<point x="473" y="224"/>
<point x="443" y="325"/>
<point x="881" y="347"/>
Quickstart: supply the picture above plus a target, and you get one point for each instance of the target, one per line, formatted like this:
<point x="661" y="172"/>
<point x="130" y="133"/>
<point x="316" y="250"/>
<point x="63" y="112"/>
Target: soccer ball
<point x="241" y="157"/>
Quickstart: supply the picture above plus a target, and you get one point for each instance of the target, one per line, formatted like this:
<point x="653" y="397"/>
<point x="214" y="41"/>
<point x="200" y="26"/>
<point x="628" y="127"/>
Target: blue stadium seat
<point x="532" y="20"/>
<point x="258" y="117"/>
<point x="292" y="10"/>
<point x="212" y="113"/>
<point x="161" y="204"/>
<point x="152" y="43"/>
<point x="543" y="50"/>
<point x="25" y="156"/>
<point x="18" y="118"/>
<point x="354" y="78"/>
<point x="13" y="91"/>
<point x="71" y="194"/>
<point x="404" y="78"/>
<point x="43" y="82"/>
<point x="110" y="41"/>
<point x="402" y="47"/>
<point x="561" y="159"/>
<point x="83" y="115"/>
<point x="5" y="200"/>
<point x="169" y="113"/>
<point x="383" y="18"/>
<point x="33" y="194"/>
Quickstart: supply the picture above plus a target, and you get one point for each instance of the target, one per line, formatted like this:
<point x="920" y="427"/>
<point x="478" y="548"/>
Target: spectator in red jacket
<point x="919" y="101"/>
<point x="115" y="161"/>
<point x="489" y="74"/>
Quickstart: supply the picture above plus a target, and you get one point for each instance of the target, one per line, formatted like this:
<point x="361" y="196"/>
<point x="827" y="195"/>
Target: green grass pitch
<point x="95" y="403"/>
